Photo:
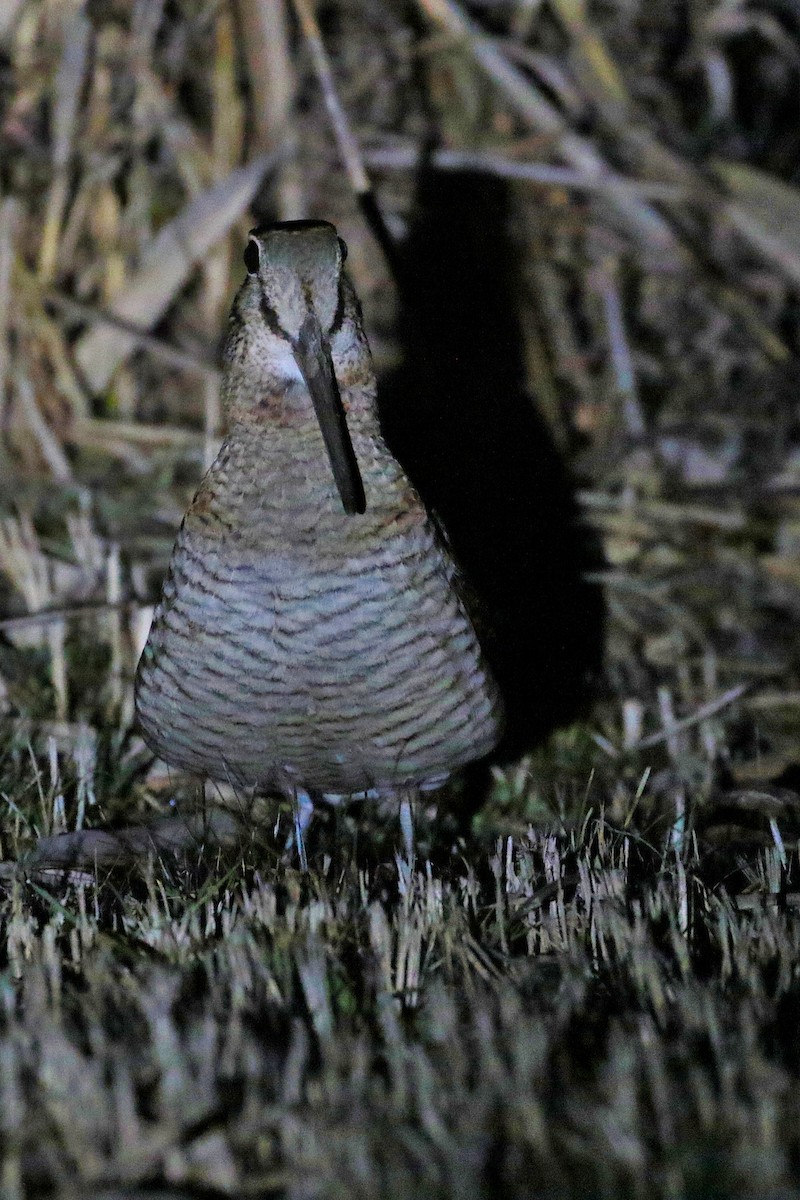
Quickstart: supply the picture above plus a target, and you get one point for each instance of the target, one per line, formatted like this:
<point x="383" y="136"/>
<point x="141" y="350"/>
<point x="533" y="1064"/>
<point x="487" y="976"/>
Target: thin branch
<point x="50" y="616"/>
<point x="49" y="445"/>
<point x="603" y="277"/>
<point x="87" y="850"/>
<point x="345" y="138"/>
<point x="146" y="341"/>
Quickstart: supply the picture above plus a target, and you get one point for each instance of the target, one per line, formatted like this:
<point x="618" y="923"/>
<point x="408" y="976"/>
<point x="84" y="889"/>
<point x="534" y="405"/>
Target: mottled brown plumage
<point x="300" y="641"/>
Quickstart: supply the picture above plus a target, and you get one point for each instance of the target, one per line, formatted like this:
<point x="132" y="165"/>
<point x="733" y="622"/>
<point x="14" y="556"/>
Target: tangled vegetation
<point x="589" y="985"/>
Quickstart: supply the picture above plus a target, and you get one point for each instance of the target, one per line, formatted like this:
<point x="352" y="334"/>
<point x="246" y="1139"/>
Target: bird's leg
<point x="408" y="798"/>
<point x="303" y="810"/>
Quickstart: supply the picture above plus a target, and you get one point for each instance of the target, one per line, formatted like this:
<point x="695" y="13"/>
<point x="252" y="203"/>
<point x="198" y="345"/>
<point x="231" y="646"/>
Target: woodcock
<point x="311" y="633"/>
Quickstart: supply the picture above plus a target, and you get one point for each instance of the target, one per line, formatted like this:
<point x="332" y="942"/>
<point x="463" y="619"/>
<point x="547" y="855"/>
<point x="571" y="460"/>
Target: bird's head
<point x="295" y="304"/>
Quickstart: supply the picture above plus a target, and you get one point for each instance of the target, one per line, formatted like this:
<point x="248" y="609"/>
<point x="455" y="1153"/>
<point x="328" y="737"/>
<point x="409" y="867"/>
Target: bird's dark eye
<point x="252" y="257"/>
<point x="343" y="248"/>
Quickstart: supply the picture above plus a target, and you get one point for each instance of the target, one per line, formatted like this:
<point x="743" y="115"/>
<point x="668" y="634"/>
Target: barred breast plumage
<point x="311" y="627"/>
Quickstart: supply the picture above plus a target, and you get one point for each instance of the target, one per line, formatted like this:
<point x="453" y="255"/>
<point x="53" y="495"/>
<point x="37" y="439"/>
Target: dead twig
<point x="603" y="278"/>
<point x="394" y="157"/>
<point x="676" y="727"/>
<point x="345" y="138"/>
<point x="174" y="356"/>
<point x="273" y="82"/>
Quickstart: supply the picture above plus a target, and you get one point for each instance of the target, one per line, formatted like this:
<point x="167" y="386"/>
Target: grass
<point x="589" y="984"/>
<point x="571" y="1009"/>
<point x="519" y="1022"/>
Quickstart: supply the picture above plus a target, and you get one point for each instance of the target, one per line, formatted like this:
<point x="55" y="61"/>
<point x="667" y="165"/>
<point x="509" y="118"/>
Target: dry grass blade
<point x="9" y="213"/>
<point x="604" y="281"/>
<point x="68" y="84"/>
<point x="48" y="616"/>
<point x="399" y="158"/>
<point x="173" y="355"/>
<point x="8" y="15"/>
<point x="591" y="983"/>
<point x="26" y="567"/>
<point x="273" y="81"/>
<point x="92" y="849"/>
<point x="266" y="44"/>
<point x="594" y="63"/>
<point x="49" y="445"/>
<point x="674" y="727"/>
<point x="345" y="139"/>
<point x="766" y="212"/>
<point x="166" y="266"/>
<point x="763" y="210"/>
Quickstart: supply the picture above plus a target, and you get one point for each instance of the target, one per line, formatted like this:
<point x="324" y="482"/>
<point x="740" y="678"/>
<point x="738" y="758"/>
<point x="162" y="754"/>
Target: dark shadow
<point x="457" y="416"/>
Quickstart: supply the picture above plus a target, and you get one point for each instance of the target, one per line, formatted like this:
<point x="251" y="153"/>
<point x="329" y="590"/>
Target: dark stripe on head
<point x="269" y="314"/>
<point x="339" y="315"/>
<point x="270" y="317"/>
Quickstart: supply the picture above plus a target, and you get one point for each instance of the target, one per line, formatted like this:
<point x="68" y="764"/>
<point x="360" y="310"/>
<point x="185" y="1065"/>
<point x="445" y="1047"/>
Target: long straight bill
<point x="313" y="356"/>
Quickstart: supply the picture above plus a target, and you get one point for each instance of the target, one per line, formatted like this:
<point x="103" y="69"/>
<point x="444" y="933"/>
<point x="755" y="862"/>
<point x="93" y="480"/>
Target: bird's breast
<point x="294" y="638"/>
